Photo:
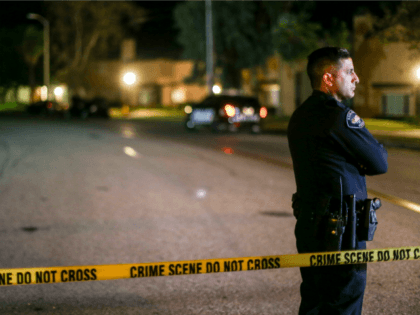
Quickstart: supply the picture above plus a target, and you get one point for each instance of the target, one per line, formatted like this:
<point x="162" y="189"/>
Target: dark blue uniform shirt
<point x="327" y="141"/>
<point x="332" y="151"/>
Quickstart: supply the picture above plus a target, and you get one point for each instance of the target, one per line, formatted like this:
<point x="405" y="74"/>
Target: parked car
<point x="226" y="113"/>
<point x="48" y="108"/>
<point x="96" y="107"/>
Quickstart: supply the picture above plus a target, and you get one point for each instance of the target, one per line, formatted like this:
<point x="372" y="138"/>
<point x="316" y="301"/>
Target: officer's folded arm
<point x="379" y="164"/>
<point x="370" y="155"/>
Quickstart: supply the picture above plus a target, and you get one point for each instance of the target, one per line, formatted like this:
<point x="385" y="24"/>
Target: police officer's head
<point x="331" y="71"/>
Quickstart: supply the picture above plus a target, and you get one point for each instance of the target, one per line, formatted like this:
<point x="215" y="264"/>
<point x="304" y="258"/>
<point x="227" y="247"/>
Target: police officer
<point x="332" y="151"/>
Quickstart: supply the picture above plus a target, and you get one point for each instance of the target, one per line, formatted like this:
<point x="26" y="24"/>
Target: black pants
<point x="330" y="289"/>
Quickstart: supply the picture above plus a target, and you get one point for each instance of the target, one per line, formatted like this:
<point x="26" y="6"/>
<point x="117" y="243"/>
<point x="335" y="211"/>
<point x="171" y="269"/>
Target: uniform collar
<point x="327" y="98"/>
<point x="323" y="95"/>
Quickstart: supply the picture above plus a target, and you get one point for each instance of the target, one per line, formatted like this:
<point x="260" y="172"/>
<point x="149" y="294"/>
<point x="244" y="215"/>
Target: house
<point x="156" y="81"/>
<point x="388" y="75"/>
<point x="277" y="84"/>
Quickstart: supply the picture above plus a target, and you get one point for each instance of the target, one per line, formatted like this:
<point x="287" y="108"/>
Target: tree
<point x="241" y="35"/>
<point x="31" y="49"/>
<point x="400" y="24"/>
<point x="12" y="68"/>
<point x="295" y="36"/>
<point x="247" y="32"/>
<point x="84" y="30"/>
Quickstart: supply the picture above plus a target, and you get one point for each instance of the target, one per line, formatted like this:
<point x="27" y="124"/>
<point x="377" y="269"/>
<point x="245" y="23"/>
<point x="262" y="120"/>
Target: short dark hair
<point x="321" y="58"/>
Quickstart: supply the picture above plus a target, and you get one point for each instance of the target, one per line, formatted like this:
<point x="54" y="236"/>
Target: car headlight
<point x="230" y="110"/>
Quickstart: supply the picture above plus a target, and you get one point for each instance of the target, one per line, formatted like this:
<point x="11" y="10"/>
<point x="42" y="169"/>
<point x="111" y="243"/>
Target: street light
<point x="417" y="96"/>
<point x="129" y="78"/>
<point x="46" y="24"/>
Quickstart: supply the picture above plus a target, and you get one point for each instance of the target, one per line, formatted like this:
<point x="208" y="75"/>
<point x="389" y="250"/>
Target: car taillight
<point x="263" y="112"/>
<point x="49" y="105"/>
<point x="230" y="110"/>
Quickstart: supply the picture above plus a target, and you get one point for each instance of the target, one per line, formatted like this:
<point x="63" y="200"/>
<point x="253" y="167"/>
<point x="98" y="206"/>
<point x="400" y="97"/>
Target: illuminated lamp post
<point x="417" y="97"/>
<point x="129" y="79"/>
<point x="46" y="24"/>
<point x="59" y="92"/>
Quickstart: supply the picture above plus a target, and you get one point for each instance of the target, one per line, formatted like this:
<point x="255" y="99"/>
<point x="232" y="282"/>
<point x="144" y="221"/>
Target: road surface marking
<point x="392" y="199"/>
<point x="397" y="201"/>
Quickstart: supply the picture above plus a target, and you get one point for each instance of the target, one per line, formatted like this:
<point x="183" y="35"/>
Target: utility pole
<point x="209" y="48"/>
<point x="46" y="24"/>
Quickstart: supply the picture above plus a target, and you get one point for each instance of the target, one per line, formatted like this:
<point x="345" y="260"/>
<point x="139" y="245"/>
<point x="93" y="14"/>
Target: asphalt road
<point x="110" y="192"/>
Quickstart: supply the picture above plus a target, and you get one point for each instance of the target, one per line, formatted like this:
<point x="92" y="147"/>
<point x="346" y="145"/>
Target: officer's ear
<point x="328" y="79"/>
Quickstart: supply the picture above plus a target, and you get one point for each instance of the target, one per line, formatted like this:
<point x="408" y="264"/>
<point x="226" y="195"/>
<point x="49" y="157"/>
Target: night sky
<point x="13" y="13"/>
<point x="159" y="34"/>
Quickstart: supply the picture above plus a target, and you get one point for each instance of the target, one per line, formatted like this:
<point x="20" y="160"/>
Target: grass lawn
<point x="148" y="113"/>
<point x="279" y="123"/>
<point x="12" y="106"/>
<point x="271" y="123"/>
<point x="388" y="125"/>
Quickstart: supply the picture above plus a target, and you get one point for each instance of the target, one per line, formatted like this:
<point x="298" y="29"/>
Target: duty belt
<point x="359" y="216"/>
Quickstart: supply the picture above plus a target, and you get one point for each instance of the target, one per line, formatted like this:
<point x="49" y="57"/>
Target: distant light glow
<point x="131" y="152"/>
<point x="188" y="109"/>
<point x="230" y="110"/>
<point x="248" y="111"/>
<point x="227" y="150"/>
<point x="179" y="95"/>
<point x="58" y="91"/>
<point x="418" y="73"/>
<point x="216" y="89"/>
<point x="263" y="112"/>
<point x="201" y="193"/>
<point x="129" y="78"/>
<point x="44" y="93"/>
<point x="128" y="131"/>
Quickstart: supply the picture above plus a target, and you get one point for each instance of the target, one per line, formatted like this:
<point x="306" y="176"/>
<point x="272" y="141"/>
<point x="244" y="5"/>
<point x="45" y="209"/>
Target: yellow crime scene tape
<point x="22" y="276"/>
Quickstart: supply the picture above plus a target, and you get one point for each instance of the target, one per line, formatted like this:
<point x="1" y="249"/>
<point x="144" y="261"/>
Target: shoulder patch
<point x="353" y="120"/>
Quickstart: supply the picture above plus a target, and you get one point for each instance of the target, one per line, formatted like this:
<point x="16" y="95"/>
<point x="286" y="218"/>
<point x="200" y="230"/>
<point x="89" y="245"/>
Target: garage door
<point x="395" y="104"/>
